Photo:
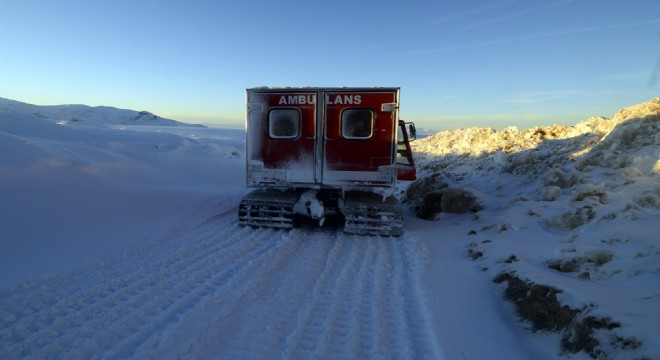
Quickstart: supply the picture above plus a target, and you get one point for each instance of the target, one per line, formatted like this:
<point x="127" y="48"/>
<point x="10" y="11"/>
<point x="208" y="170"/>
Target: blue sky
<point x="458" y="63"/>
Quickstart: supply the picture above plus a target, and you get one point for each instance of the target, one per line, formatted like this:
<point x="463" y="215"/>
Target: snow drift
<point x="576" y="208"/>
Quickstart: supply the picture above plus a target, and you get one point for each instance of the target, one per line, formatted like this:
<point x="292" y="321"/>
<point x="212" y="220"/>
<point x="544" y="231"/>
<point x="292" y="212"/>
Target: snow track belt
<point x="268" y="208"/>
<point x="372" y="214"/>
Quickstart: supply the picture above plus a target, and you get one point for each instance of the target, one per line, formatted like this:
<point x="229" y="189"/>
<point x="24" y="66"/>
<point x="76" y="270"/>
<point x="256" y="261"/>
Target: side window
<point x="357" y="124"/>
<point x="284" y="123"/>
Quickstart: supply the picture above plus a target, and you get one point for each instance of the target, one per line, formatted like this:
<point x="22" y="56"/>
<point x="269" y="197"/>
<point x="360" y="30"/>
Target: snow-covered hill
<point x="69" y="190"/>
<point x="122" y="242"/>
<point x="84" y="114"/>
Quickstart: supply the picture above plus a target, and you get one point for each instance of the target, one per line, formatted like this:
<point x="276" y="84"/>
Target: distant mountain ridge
<point x="84" y="114"/>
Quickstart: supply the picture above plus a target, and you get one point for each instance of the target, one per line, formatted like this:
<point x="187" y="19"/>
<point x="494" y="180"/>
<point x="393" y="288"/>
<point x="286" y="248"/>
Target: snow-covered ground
<point x="120" y="241"/>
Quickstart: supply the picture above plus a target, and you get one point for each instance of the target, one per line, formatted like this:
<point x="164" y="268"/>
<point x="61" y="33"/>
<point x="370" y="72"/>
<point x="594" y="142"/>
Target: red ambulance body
<point x="319" y="152"/>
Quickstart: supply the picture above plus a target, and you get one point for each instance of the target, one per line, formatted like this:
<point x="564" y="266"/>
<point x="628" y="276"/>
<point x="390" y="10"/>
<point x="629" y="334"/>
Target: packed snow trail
<point x="218" y="290"/>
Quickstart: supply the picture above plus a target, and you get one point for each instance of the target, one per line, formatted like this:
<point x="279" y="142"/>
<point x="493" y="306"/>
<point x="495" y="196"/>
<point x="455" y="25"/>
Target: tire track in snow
<point x="365" y="303"/>
<point x="365" y="343"/>
<point x="191" y="288"/>
<point x="312" y="323"/>
<point x="346" y="325"/>
<point x="393" y="310"/>
<point x="340" y="323"/>
<point x="232" y="292"/>
<point x="203" y="286"/>
<point x="270" y="304"/>
<point x="222" y="219"/>
<point x="82" y="303"/>
<point x="419" y="326"/>
<point x="120" y="305"/>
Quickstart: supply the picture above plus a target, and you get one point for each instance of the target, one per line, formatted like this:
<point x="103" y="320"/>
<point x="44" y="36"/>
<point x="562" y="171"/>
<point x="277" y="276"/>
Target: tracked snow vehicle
<point x="322" y="152"/>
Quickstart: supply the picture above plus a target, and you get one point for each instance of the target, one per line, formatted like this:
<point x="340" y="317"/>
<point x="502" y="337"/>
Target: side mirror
<point x="412" y="131"/>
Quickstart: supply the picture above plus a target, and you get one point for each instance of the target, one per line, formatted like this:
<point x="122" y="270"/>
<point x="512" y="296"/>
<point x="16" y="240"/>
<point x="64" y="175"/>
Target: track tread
<point x="372" y="214"/>
<point x="268" y="208"/>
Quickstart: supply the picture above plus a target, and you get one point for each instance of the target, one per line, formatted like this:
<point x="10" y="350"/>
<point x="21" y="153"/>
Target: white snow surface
<point x="121" y="241"/>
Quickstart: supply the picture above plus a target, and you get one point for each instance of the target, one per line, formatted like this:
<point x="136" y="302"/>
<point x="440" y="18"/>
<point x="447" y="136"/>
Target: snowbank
<point x="576" y="208"/>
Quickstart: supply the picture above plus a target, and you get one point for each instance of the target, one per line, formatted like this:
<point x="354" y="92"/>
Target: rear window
<point x="284" y="124"/>
<point x="357" y="123"/>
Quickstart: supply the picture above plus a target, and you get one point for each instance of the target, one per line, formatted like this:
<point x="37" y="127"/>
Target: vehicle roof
<point x="314" y="88"/>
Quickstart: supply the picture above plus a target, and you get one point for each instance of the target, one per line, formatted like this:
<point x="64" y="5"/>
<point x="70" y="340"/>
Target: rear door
<point x="281" y="129"/>
<point x="360" y="133"/>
